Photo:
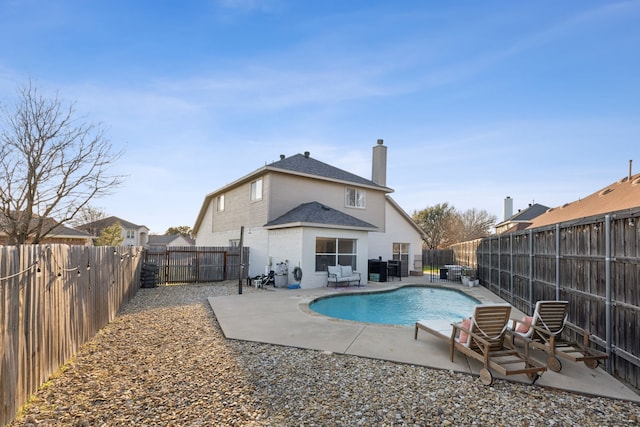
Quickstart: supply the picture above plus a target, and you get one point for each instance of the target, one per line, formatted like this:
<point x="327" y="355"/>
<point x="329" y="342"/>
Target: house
<point x="68" y="236"/>
<point x="623" y="194"/>
<point x="311" y="215"/>
<point x="59" y="235"/>
<point x="133" y="234"/>
<point x="521" y="219"/>
<point x="164" y="241"/>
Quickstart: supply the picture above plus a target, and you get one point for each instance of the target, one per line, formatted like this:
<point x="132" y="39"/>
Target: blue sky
<point x="475" y="101"/>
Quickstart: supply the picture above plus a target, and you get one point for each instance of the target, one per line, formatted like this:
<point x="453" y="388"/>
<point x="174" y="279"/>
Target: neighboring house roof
<point x="521" y="219"/>
<point x="58" y="231"/>
<point x="69" y="233"/>
<point x="96" y="226"/>
<point x="164" y="240"/>
<point x="299" y="164"/>
<point x="529" y="213"/>
<point x="317" y="214"/>
<point x="621" y="195"/>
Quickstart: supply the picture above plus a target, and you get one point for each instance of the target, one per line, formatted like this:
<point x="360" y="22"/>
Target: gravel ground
<point x="164" y="362"/>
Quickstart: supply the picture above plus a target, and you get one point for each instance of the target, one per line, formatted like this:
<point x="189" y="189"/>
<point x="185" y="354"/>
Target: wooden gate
<point x="187" y="264"/>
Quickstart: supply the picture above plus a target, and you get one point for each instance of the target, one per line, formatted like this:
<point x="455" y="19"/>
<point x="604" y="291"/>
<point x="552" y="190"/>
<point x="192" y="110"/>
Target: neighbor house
<point x="311" y="215"/>
<point x="521" y="219"/>
<point x="133" y="234"/>
<point x="171" y="240"/>
<point x="59" y="234"/>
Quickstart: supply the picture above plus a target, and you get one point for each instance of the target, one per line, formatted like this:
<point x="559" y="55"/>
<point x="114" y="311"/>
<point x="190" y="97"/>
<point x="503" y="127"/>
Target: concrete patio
<point x="282" y="316"/>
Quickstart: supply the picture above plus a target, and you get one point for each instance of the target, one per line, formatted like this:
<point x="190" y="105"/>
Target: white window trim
<point x="336" y="254"/>
<point x="254" y="196"/>
<point x="357" y="191"/>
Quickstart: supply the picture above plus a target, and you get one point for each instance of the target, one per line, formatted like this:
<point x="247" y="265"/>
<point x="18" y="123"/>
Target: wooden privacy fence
<point x="593" y="263"/>
<point x="437" y="257"/>
<point x="53" y="299"/>
<point x="187" y="264"/>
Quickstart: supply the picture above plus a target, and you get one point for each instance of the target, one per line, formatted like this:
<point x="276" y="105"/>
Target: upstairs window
<point x="220" y="203"/>
<point x="256" y="190"/>
<point x="131" y="234"/>
<point x="354" y="198"/>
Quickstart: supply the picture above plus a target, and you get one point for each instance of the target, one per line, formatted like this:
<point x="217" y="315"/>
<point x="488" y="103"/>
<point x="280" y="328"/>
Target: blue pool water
<point x="402" y="306"/>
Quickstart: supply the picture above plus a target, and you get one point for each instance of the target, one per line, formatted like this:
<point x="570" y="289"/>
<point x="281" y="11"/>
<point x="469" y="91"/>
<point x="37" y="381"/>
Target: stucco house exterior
<point x="133" y="234"/>
<point x="310" y="215"/>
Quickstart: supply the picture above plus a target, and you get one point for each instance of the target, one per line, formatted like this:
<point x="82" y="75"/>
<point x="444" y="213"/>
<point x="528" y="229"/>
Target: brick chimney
<point x="379" y="164"/>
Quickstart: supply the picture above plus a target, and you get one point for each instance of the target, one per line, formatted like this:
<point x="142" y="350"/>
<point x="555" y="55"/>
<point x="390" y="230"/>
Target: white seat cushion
<point x="334" y="270"/>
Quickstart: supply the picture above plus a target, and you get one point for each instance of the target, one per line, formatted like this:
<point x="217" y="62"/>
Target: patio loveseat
<point x="342" y="274"/>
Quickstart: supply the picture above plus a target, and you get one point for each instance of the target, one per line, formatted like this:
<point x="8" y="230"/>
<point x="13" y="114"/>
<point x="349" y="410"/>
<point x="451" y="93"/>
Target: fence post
<point x="531" y="257"/>
<point x="607" y="273"/>
<point x="511" y="273"/>
<point x="240" y="269"/>
<point x="490" y="261"/>
<point x="558" y="256"/>
<point x="499" y="266"/>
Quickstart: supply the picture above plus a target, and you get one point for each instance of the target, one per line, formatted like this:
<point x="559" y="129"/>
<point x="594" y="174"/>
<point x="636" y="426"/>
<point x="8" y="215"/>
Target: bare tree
<point x="52" y="164"/>
<point x="475" y="224"/>
<point x="88" y="214"/>
<point x="444" y="225"/>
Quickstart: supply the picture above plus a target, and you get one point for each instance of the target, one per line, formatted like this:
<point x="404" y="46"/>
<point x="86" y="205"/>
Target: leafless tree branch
<point x="52" y="164"/>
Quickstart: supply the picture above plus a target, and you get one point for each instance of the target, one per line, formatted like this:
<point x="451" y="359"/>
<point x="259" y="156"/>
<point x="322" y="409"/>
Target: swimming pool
<point x="402" y="306"/>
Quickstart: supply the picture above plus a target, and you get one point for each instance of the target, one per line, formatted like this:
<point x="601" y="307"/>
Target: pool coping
<point x="282" y="317"/>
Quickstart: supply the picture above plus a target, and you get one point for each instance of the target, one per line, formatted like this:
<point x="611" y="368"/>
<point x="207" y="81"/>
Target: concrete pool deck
<point x="282" y="317"/>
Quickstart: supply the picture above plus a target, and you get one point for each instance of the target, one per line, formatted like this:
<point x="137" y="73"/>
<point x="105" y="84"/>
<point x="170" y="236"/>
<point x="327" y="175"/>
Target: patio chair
<point x="482" y="337"/>
<point x="262" y="280"/>
<point x="544" y="330"/>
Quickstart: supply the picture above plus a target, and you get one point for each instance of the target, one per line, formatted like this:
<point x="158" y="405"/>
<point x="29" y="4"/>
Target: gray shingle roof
<point x="317" y="213"/>
<point x="528" y="213"/>
<point x="307" y="165"/>
<point x="96" y="227"/>
<point x="162" y="240"/>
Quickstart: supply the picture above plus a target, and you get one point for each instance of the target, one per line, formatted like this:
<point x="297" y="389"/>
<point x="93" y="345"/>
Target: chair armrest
<point x="543" y="331"/>
<point x="511" y="336"/>
<point x="460" y="327"/>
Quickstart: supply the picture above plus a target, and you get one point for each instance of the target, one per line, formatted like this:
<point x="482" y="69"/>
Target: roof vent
<point x="605" y="191"/>
<point x="306" y="154"/>
<point x="281" y="156"/>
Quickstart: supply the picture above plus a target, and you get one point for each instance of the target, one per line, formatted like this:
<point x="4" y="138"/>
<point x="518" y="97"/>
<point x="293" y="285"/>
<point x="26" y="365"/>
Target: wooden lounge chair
<point x="483" y="338"/>
<point x="544" y="331"/>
